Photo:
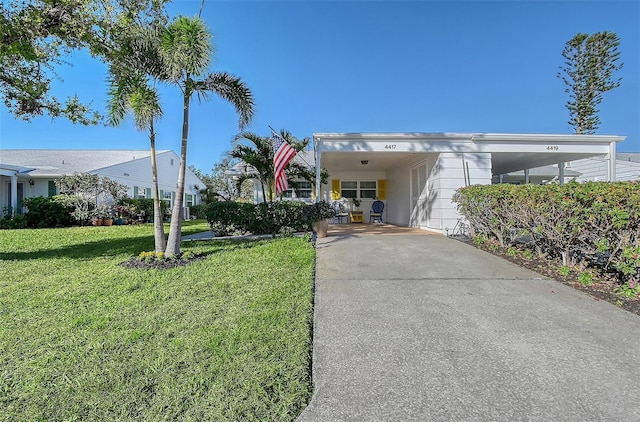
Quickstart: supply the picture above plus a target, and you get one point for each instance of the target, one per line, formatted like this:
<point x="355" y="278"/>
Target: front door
<point x="20" y="199"/>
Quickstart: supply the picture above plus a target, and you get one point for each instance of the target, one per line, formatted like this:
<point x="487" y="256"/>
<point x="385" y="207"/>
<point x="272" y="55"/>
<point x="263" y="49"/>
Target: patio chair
<point x="375" y="215"/>
<point x="341" y="212"/>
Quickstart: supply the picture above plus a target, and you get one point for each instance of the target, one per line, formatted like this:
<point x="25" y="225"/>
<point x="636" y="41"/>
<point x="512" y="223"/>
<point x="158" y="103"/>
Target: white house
<point x="416" y="174"/>
<point x="595" y="168"/>
<point x="27" y="173"/>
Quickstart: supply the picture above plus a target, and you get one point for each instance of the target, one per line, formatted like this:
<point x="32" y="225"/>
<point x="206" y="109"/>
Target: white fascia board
<point x="550" y="147"/>
<point x="543" y="137"/>
<point x="386" y="136"/>
<point x="393" y="142"/>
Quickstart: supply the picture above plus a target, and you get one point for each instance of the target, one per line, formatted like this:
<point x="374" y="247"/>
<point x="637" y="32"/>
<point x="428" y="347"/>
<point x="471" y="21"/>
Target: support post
<point x="526" y="176"/>
<point x="318" y="168"/>
<point x="611" y="176"/>
<point x="14" y="195"/>
<point x="561" y="172"/>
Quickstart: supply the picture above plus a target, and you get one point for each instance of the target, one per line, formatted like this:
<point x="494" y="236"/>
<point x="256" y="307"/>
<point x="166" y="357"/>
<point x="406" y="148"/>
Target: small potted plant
<point x="107" y="217"/>
<point x="96" y="217"/>
<point x="122" y="212"/>
<point x="356" y="215"/>
<point x="317" y="215"/>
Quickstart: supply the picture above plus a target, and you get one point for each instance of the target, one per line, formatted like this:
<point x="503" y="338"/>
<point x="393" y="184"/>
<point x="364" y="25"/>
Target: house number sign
<point x="552" y="148"/>
<point x="390" y="146"/>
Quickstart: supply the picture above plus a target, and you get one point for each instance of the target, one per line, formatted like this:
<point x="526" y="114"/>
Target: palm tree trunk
<point x="158" y="226"/>
<point x="173" y="243"/>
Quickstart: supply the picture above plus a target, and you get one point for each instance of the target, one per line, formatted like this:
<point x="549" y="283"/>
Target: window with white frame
<point x="349" y="189"/>
<point x="363" y="189"/>
<point x="287" y="193"/>
<point x="303" y="190"/>
<point x="368" y="189"/>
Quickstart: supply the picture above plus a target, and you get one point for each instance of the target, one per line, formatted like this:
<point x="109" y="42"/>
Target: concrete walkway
<point x="425" y="328"/>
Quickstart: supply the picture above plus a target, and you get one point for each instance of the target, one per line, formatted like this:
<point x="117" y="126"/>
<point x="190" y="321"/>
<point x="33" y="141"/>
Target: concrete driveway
<point x="426" y="328"/>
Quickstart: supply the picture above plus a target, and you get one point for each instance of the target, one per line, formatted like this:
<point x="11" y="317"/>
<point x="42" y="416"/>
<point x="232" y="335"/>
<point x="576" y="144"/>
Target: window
<point x="140" y="192"/>
<point x="349" y="189"/>
<point x="287" y="193"/>
<point x="188" y="200"/>
<point x="362" y="189"/>
<point x="368" y="189"/>
<point x="303" y="190"/>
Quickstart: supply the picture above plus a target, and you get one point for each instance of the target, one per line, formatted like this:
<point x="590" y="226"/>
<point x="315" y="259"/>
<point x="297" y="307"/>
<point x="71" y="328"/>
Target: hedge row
<point x="593" y="224"/>
<point x="234" y="218"/>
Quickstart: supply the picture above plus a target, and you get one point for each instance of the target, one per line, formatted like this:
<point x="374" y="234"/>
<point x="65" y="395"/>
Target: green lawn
<point x="81" y="338"/>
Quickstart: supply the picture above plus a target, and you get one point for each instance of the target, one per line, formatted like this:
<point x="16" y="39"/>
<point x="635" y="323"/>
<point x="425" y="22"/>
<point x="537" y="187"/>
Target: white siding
<point x="138" y="173"/>
<point x="450" y="175"/>
<point x="595" y="169"/>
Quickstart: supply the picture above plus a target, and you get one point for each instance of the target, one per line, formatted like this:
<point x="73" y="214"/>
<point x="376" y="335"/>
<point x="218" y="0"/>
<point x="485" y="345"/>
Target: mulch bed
<point x="159" y="264"/>
<point x="601" y="289"/>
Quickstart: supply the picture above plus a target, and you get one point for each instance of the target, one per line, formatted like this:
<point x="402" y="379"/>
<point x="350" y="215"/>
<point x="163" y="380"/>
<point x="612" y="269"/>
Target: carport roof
<point x="509" y="151"/>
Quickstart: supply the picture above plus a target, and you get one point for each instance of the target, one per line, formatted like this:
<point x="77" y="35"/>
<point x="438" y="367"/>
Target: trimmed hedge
<point x="235" y="218"/>
<point x="593" y="224"/>
<point x="47" y="212"/>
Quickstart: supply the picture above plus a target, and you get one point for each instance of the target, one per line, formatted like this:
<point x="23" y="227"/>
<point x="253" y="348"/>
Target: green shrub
<point x="228" y="218"/>
<point x="47" y="212"/>
<point x="17" y="222"/>
<point x="592" y="224"/>
<point x="144" y="206"/>
<point x="198" y="211"/>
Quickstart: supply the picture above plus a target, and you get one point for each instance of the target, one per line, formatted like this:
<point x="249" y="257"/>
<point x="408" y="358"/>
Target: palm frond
<point x="232" y="89"/>
<point x="185" y="48"/>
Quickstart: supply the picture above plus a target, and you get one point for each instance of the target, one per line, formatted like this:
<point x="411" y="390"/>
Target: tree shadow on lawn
<point x="123" y="246"/>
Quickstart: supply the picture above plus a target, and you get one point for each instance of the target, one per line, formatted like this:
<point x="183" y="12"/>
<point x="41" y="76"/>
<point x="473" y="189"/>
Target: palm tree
<point x="185" y="49"/>
<point x="259" y="158"/>
<point x="133" y="71"/>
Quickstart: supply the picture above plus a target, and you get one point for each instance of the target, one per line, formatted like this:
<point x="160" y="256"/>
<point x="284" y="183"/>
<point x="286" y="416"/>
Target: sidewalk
<point x="425" y="328"/>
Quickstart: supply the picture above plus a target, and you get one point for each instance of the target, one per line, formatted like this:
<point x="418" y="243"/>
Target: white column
<point x="561" y="172"/>
<point x="526" y="176"/>
<point x="612" y="162"/>
<point x="318" y="168"/>
<point x="14" y="194"/>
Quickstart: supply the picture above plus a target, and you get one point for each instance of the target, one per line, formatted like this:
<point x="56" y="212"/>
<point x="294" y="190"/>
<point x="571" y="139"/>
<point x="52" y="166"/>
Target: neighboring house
<point x="303" y="192"/>
<point x="537" y="176"/>
<point x="27" y="173"/>
<point x="595" y="168"/>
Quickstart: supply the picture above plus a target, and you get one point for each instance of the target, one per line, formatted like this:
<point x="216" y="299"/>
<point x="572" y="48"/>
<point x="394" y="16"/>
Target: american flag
<point x="282" y="154"/>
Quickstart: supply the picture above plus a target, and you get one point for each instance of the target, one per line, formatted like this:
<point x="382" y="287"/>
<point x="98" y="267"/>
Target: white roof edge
<point x="528" y="137"/>
<point x="546" y="137"/>
<point x="393" y="135"/>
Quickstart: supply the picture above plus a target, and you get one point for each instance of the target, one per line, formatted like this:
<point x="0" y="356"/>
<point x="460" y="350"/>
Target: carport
<point x="416" y="174"/>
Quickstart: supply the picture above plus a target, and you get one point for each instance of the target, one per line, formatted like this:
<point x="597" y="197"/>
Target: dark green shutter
<point x="52" y="188"/>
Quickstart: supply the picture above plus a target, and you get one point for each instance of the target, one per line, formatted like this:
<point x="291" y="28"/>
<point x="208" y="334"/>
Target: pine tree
<point x="590" y="62"/>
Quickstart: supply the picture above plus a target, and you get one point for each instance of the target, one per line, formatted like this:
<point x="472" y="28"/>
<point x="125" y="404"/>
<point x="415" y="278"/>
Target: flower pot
<point x="96" y="221"/>
<point x="107" y="222"/>
<point x="119" y="221"/>
<point x="320" y="227"/>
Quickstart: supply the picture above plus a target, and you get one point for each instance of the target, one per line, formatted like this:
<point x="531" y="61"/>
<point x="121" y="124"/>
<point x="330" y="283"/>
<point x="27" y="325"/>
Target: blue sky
<point x="371" y="66"/>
